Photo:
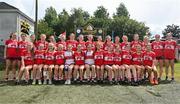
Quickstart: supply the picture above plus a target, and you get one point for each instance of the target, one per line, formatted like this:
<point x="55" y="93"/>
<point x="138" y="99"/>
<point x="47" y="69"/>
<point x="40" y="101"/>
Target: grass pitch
<point x="165" y="93"/>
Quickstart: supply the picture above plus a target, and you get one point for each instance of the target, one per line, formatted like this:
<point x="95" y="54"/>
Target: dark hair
<point x="11" y="35"/>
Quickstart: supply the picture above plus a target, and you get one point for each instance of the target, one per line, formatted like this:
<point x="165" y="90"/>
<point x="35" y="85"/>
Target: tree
<point x="174" y="29"/>
<point x="121" y="11"/>
<point x="121" y="23"/>
<point x="62" y="23"/>
<point x="43" y="28"/>
<point x="101" y="12"/>
<point x="77" y="18"/>
<point x="126" y="26"/>
<point x="51" y="16"/>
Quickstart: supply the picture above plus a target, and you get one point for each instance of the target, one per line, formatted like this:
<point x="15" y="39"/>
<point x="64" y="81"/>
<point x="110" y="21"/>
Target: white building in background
<point x="11" y="20"/>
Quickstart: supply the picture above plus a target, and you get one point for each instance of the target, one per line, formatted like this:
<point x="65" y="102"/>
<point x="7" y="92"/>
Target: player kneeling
<point x="79" y="63"/>
<point x="69" y="64"/>
<point x="38" y="64"/>
<point x="149" y="62"/>
<point x="89" y="63"/>
<point x="59" y="63"/>
<point x="26" y="63"/>
<point x="108" y="62"/>
<point x="49" y="63"/>
<point x="99" y="58"/>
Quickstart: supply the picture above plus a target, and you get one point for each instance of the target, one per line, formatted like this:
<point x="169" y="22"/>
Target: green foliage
<point x="121" y="23"/>
<point x="121" y="11"/>
<point x="44" y="28"/>
<point x="62" y="22"/>
<point x="51" y="16"/>
<point x="174" y="29"/>
<point x="101" y="12"/>
<point x="125" y="26"/>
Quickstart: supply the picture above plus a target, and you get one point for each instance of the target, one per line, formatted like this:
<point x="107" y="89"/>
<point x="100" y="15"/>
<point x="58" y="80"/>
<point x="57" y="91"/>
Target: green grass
<point x="165" y="93"/>
<point x="177" y="71"/>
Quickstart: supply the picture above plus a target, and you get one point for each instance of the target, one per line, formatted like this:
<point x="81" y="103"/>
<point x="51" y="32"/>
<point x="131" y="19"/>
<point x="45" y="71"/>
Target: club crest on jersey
<point x="158" y="47"/>
<point x="147" y="58"/>
<point x="127" y="56"/>
<point x="12" y="46"/>
<point x="39" y="56"/>
<point x="49" y="57"/>
<point x="169" y="47"/>
<point x="59" y="57"/>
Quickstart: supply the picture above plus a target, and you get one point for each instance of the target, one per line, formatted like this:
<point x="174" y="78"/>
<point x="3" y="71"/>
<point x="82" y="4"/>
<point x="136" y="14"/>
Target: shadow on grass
<point x="61" y="83"/>
<point x="7" y="83"/>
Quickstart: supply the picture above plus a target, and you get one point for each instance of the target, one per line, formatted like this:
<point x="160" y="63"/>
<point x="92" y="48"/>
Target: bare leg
<point x="70" y="68"/>
<point x="102" y="72"/>
<point x="167" y="68"/>
<point x="172" y="69"/>
<point x="34" y="71"/>
<point x="27" y="69"/>
<point x="8" y="63"/>
<point x="87" y="71"/>
<point x="76" y="67"/>
<point x="20" y="73"/>
<point x="98" y="72"/>
<point x="14" y="62"/>
<point x="93" y="75"/>
<point x="61" y="72"/>
<point x="56" y="68"/>
<point x="81" y="68"/>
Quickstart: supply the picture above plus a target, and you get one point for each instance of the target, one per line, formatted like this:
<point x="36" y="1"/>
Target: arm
<point x="22" y="61"/>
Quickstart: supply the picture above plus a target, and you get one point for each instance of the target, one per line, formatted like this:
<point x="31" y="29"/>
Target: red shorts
<point x="117" y="63"/>
<point x="49" y="62"/>
<point x="39" y="61"/>
<point x="159" y="58"/>
<point x="169" y="58"/>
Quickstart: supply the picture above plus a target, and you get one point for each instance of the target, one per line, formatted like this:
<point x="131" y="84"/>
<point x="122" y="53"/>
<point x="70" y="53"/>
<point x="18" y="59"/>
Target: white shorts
<point x="69" y="61"/>
<point x="89" y="61"/>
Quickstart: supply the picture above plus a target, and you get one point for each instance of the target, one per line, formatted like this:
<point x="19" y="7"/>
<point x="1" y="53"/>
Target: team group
<point x="91" y="61"/>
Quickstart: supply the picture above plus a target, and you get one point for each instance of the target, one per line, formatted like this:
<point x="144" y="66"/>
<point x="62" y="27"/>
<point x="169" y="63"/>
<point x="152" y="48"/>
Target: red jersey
<point x="22" y="45"/>
<point x="108" y="58"/>
<point x="63" y="43"/>
<point x="11" y="50"/>
<point x="37" y="43"/>
<point x="89" y="57"/>
<point x="117" y="58"/>
<point x="49" y="58"/>
<point x="134" y="44"/>
<point x="39" y="56"/>
<point x="99" y="57"/>
<point x="28" y="57"/>
<point x="148" y="58"/>
<point x="73" y="43"/>
<point x="144" y="45"/>
<point x="83" y="45"/>
<point x="107" y="45"/>
<point x="137" y="59"/>
<point x="170" y="49"/>
<point x="157" y="47"/>
<point x="123" y="45"/>
<point x="93" y="45"/>
<point x="126" y="57"/>
<point x="79" y="58"/>
<point x="59" y="57"/>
